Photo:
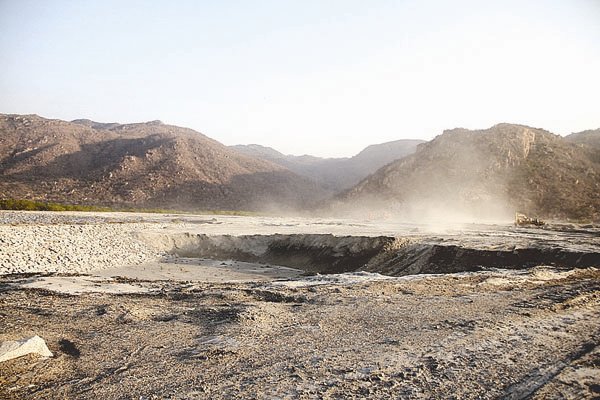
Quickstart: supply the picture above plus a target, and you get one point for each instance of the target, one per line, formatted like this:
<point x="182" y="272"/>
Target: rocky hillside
<point x="147" y="164"/>
<point x="588" y="141"/>
<point x="336" y="174"/>
<point x="489" y="173"/>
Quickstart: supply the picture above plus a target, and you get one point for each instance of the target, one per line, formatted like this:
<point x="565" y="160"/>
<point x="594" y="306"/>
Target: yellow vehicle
<point x="524" y="220"/>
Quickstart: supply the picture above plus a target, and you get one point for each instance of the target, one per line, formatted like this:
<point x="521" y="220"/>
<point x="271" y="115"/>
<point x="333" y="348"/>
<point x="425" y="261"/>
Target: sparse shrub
<point x="31" y="205"/>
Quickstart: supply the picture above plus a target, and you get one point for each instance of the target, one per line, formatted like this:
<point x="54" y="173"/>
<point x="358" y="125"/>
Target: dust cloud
<point x="431" y="214"/>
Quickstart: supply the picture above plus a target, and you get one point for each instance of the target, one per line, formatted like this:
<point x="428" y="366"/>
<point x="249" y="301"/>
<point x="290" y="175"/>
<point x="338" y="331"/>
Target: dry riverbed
<point x="169" y="326"/>
<point x="475" y="335"/>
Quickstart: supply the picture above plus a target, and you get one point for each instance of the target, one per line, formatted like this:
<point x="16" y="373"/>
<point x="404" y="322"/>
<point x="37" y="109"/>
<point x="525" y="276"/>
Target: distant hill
<point x="145" y="164"/>
<point x="336" y="174"/>
<point x="487" y="173"/>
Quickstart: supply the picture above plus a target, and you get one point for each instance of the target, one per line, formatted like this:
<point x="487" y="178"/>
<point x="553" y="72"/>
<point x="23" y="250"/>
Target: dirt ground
<point x="483" y="335"/>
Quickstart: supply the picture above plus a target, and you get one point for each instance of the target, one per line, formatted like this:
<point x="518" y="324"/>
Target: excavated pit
<point x="389" y="255"/>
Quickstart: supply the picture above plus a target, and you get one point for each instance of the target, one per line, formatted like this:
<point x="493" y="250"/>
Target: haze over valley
<point x="299" y="200"/>
<point x="460" y="175"/>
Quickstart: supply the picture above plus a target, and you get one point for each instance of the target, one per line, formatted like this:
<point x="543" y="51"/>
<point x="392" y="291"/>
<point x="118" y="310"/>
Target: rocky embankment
<point x="389" y="255"/>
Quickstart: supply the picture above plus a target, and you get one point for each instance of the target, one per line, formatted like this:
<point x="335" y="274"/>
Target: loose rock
<point x="18" y="348"/>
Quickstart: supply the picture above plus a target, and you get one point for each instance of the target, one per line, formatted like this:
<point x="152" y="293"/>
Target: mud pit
<point x="234" y="308"/>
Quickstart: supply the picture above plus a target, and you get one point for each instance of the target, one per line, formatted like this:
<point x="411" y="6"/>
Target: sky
<point x="321" y="77"/>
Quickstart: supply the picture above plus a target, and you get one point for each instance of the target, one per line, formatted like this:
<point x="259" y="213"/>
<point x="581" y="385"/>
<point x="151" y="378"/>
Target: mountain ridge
<point x="140" y="164"/>
<point x="494" y="171"/>
<point x="499" y="170"/>
<point x="336" y="174"/>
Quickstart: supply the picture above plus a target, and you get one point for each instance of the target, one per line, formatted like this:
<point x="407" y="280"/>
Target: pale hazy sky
<point x="321" y="77"/>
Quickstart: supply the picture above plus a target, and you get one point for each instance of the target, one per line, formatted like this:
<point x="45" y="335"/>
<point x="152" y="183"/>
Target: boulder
<point x="19" y="348"/>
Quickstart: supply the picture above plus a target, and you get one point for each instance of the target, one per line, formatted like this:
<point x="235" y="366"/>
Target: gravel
<point x="436" y="337"/>
<point x="70" y="247"/>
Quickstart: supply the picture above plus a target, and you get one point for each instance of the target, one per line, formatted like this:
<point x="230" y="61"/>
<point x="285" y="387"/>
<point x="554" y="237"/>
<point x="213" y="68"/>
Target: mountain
<point x="488" y="173"/>
<point x="335" y="174"/>
<point x="588" y="141"/>
<point x="144" y="164"/>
